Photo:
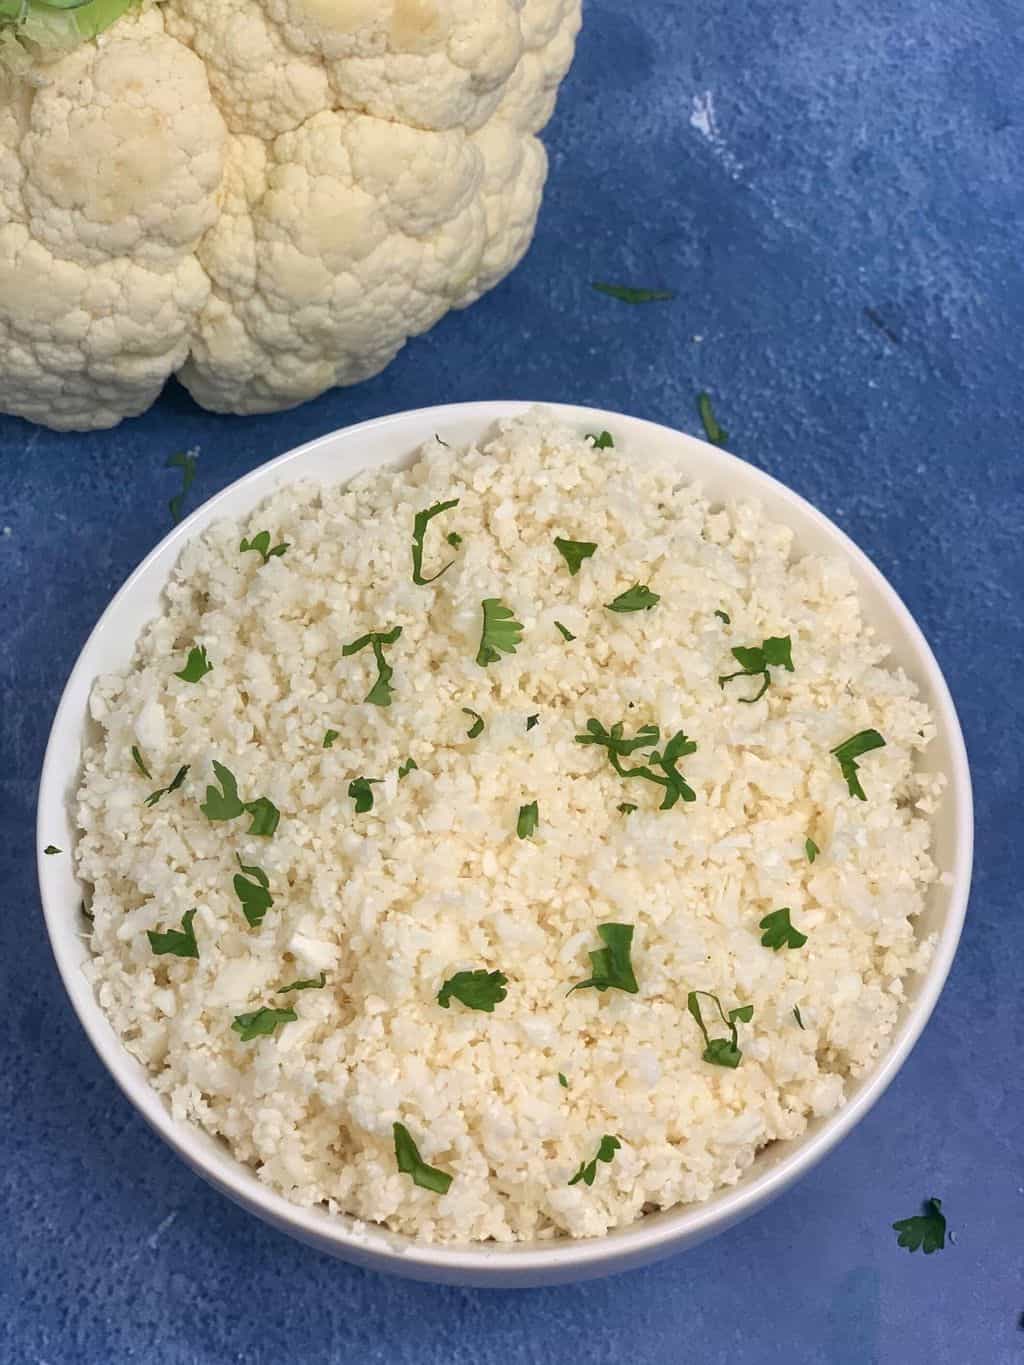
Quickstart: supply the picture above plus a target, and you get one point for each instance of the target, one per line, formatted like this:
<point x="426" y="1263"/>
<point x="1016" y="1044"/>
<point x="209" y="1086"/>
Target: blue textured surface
<point x="863" y="156"/>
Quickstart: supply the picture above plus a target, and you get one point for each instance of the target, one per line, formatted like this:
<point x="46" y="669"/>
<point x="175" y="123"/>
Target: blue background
<point x="847" y="259"/>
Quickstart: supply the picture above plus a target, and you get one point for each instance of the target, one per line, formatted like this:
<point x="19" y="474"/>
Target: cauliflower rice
<point x="390" y="903"/>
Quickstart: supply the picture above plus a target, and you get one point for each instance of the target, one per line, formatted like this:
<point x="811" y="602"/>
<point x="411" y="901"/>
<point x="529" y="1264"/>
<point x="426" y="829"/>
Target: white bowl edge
<point x="394" y="440"/>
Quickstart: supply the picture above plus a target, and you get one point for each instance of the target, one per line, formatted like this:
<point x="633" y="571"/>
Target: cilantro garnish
<point x="226" y="804"/>
<point x="411" y="1163"/>
<point x="477" y="728"/>
<point x="197" y="667"/>
<point x="329" y="737"/>
<point x="419" y="529"/>
<point x="720" y="1051"/>
<point x="51" y="849"/>
<point x="605" y="1152"/>
<point x="712" y="430"/>
<point x="501" y="634"/>
<point x="797" y="1016"/>
<point x="410" y="765"/>
<point x="261" y="542"/>
<point x="724" y="617"/>
<point x="265" y="817"/>
<point x="528" y="820"/>
<point x="479" y="990"/>
<point x="626" y="293"/>
<point x="176" y="942"/>
<point x="603" y="441"/>
<point x="626" y="808"/>
<point x="316" y="983"/>
<point x="172" y="786"/>
<point x="562" y="1081"/>
<point x="139" y="762"/>
<point x="574" y="552"/>
<point x="254" y="895"/>
<point x="185" y="460"/>
<point x="755" y="662"/>
<point x="611" y="966"/>
<point x="381" y="691"/>
<point x="637" y="598"/>
<point x="924" y="1232"/>
<point x="565" y="634"/>
<point x="361" y="792"/>
<point x="261" y="1023"/>
<point x="811" y="849"/>
<point x="675" y="785"/>
<point x="849" y="751"/>
<point x="454" y="539"/>
<point x="531" y="721"/>
<point x="779" y="932"/>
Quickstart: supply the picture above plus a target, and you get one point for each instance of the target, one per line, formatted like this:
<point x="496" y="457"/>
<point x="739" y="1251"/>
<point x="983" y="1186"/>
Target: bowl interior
<point x="394" y="440"/>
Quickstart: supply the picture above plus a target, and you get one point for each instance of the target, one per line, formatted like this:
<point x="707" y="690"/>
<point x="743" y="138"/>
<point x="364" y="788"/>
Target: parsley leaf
<point x="724" y="616"/>
<point x="611" y="965"/>
<point x="265" y="817"/>
<point x="627" y="808"/>
<point x="755" y="661"/>
<point x="477" y="728"/>
<point x="197" y="667"/>
<point x="261" y="542"/>
<point x="562" y="1081"/>
<point x="139" y="763"/>
<point x="531" y="721"/>
<point x="925" y="1232"/>
<point x="479" y="990"/>
<point x="173" y="785"/>
<point x="51" y="849"/>
<point x="360" y="790"/>
<point x="588" y="1169"/>
<point x="720" y="1051"/>
<point x="176" y="942"/>
<point x="254" y="895"/>
<point x="410" y="1162"/>
<point x="574" y="552"/>
<point x="849" y="751"/>
<point x="797" y="1016"/>
<point x="313" y="984"/>
<point x="329" y="737"/>
<point x="604" y="441"/>
<point x="625" y="293"/>
<point x="261" y="1023"/>
<point x="528" y="820"/>
<point x="410" y="765"/>
<point x="226" y="804"/>
<point x="454" y="539"/>
<point x="679" y="746"/>
<point x="779" y="932"/>
<point x="381" y="691"/>
<point x="712" y="430"/>
<point x="501" y="634"/>
<point x="637" y="598"/>
<point x="811" y="849"/>
<point x="565" y="634"/>
<point x="419" y="529"/>
<point x="185" y="460"/>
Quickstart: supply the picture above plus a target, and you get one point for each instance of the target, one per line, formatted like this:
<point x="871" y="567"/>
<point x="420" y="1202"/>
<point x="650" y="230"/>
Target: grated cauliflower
<point x="265" y="197"/>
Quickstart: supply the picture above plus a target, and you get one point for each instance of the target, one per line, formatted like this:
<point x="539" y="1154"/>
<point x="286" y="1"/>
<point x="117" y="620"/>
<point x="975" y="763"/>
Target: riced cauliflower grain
<point x="434" y="880"/>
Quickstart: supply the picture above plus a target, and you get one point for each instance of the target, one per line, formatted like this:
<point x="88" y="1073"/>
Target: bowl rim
<point x="497" y="1263"/>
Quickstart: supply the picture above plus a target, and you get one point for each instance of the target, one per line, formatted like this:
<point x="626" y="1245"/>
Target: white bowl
<point x="392" y="440"/>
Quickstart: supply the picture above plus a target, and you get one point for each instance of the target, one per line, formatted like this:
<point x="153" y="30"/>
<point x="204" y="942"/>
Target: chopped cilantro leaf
<point x="811" y="849"/>
<point x="226" y="803"/>
<point x="501" y="633"/>
<point x="454" y="539"/>
<point x="797" y="1016"/>
<point x="605" y="1152"/>
<point x="626" y="293"/>
<point x="669" y="777"/>
<point x="419" y="529"/>
<point x="574" y="552"/>
<point x="603" y="441"/>
<point x="924" y="1232"/>
<point x="329" y="737"/>
<point x="381" y="692"/>
<point x="261" y="542"/>
<point x="479" y="990"/>
<point x="611" y="966"/>
<point x="477" y="728"/>
<point x="779" y="932"/>
<point x="410" y="765"/>
<point x="627" y="808"/>
<point x="185" y="460"/>
<point x="528" y="820"/>
<point x="565" y="634"/>
<point x="637" y="598"/>
<point x="531" y="721"/>
<point x="755" y="661"/>
<point x="51" y="849"/>
<point x="172" y="786"/>
<point x="254" y="895"/>
<point x="197" y="667"/>
<point x="410" y="1162"/>
<point x="316" y="983"/>
<point x="720" y="1051"/>
<point x="562" y="1081"/>
<point x="265" y="817"/>
<point x="176" y="942"/>
<point x="724" y="617"/>
<point x="140" y="763"/>
<point x="712" y="430"/>
<point x="261" y="1023"/>
<point x="849" y="751"/>
<point x="361" y="792"/>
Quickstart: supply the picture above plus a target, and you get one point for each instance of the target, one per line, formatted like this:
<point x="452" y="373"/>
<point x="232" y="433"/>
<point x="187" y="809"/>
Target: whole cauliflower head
<point x="264" y="197"/>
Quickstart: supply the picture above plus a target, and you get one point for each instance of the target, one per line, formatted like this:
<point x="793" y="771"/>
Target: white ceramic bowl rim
<point x="650" y="1237"/>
